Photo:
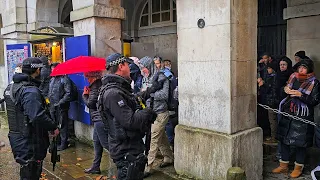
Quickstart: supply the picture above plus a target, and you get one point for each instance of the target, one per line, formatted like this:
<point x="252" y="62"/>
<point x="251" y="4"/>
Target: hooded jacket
<point x="282" y="78"/>
<point x="36" y="142"/>
<point x="161" y="96"/>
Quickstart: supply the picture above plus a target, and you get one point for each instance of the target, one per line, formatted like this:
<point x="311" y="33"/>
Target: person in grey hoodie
<point x="158" y="101"/>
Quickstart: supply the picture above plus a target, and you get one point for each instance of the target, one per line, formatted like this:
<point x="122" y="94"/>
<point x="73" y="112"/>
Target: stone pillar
<point x="14" y="26"/>
<point x="303" y="26"/>
<point x="101" y="19"/>
<point x="217" y="89"/>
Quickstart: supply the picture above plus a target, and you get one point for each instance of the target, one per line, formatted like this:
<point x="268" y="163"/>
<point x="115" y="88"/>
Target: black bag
<point x="74" y="92"/>
<point x="74" y="95"/>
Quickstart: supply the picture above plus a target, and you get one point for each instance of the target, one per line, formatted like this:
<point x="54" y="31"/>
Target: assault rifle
<point x="55" y="157"/>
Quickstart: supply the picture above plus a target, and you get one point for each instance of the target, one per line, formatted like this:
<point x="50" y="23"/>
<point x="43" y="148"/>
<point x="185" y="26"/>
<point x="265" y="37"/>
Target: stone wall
<point x="303" y="17"/>
<point x="165" y="47"/>
<point x="3" y="82"/>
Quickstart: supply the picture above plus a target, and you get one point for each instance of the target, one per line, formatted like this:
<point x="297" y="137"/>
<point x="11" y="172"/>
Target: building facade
<point x="212" y="44"/>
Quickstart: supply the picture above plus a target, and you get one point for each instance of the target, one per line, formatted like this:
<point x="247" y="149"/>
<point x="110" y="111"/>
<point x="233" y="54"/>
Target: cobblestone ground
<point x="75" y="159"/>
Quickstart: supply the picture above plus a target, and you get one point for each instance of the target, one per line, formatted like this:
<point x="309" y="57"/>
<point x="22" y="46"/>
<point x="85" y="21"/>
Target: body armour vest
<point x="16" y="119"/>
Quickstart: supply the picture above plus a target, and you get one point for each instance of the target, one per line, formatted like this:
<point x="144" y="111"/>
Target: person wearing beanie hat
<point x="302" y="91"/>
<point x="267" y="91"/>
<point x="299" y="55"/>
<point x="45" y="76"/>
<point x="28" y="119"/>
<point x="126" y="121"/>
<point x="100" y="133"/>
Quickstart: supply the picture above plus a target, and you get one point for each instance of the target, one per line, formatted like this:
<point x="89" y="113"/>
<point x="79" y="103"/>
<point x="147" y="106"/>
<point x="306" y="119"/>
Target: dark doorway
<point x="272" y="29"/>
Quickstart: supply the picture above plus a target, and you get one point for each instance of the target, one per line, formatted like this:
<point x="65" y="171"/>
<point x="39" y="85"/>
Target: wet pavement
<point x="80" y="156"/>
<point x="73" y="161"/>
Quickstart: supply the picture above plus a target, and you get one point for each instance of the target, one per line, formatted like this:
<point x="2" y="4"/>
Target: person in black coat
<point x="127" y="122"/>
<point x="303" y="95"/>
<point x="267" y="91"/>
<point x="59" y="95"/>
<point x="283" y="75"/>
<point x="100" y="133"/>
<point x="45" y="76"/>
<point x="29" y="120"/>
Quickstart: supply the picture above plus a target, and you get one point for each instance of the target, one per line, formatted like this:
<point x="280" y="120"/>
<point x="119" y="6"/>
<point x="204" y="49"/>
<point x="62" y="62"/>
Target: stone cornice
<point x="98" y="10"/>
<point x="301" y="11"/>
<point x="13" y="28"/>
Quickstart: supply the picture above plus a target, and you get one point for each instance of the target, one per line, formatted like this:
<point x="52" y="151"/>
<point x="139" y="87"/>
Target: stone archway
<point x="47" y="11"/>
<point x="42" y="13"/>
<point x="65" y="7"/>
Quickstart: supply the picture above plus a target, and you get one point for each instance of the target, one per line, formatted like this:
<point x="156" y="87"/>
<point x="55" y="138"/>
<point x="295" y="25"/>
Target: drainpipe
<point x="27" y="21"/>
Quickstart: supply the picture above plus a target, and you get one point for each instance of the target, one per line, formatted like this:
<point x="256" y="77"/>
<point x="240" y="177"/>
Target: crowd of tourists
<point x="138" y="99"/>
<point x="293" y="90"/>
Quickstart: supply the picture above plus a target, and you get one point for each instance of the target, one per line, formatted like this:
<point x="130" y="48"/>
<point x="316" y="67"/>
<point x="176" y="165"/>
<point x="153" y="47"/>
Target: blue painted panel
<point x="78" y="46"/>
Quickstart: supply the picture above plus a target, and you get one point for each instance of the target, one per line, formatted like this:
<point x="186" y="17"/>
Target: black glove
<point x="152" y="116"/>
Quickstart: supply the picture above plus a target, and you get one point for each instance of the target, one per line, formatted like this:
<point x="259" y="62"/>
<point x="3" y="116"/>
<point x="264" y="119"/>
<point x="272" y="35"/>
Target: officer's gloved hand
<point x="150" y="90"/>
<point x="152" y="116"/>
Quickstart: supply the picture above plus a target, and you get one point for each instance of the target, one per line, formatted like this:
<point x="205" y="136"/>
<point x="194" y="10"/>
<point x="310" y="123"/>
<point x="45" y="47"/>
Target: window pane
<point x="144" y="21"/>
<point x="155" y="18"/>
<point x="174" y="5"/>
<point x="174" y="16"/>
<point x="146" y="9"/>
<point x="165" y="16"/>
<point x="155" y="6"/>
<point x="165" y="5"/>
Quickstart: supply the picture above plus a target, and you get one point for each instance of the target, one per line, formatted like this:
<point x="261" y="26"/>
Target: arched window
<point x="157" y="12"/>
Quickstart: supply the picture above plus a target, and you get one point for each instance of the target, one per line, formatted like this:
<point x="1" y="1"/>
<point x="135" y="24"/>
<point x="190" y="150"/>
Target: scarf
<point x="297" y="107"/>
<point x="307" y="82"/>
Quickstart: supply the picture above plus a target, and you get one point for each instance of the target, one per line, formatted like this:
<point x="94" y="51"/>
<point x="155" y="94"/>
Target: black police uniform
<point x="127" y="124"/>
<point x="29" y="123"/>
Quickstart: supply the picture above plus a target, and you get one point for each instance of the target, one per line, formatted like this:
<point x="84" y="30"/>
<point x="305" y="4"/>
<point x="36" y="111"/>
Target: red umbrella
<point x="80" y="64"/>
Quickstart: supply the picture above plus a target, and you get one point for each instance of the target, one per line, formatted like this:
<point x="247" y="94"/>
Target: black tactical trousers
<point x="131" y="168"/>
<point x="32" y="171"/>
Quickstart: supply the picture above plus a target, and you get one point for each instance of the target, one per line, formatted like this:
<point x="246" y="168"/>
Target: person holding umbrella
<point x="100" y="133"/>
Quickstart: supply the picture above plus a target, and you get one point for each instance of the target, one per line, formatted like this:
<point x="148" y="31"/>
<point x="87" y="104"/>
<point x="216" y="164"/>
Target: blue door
<point x="78" y="46"/>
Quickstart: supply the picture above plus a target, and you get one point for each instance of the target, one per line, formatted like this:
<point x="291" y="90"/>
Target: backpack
<point x="173" y="83"/>
<point x="74" y="92"/>
<point x="74" y="96"/>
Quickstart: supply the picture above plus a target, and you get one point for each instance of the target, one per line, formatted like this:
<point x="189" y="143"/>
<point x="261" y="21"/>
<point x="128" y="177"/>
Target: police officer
<point x="126" y="122"/>
<point x="29" y="121"/>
